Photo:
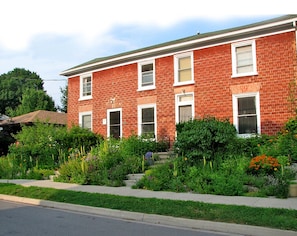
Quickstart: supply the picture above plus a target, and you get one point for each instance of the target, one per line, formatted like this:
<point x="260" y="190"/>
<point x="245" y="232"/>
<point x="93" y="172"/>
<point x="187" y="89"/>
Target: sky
<point x="50" y="36"/>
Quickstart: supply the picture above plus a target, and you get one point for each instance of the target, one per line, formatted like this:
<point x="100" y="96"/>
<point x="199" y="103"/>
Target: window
<point x="114" y="118"/>
<point x="244" y="59"/>
<point x="246" y="113"/>
<point x="183" y="69"/>
<point x="147" y="120"/>
<point x="184" y="107"/>
<point x="146" y="75"/>
<point x="85" y="120"/>
<point x="86" y="87"/>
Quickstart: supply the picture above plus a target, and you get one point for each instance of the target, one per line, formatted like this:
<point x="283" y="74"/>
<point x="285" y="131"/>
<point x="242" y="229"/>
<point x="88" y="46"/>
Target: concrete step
<point x="132" y="179"/>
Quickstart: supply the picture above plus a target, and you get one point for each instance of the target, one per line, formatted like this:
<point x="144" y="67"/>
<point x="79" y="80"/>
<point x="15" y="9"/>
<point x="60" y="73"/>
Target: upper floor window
<point x="183" y="64"/>
<point x="85" y="120"/>
<point x="244" y="59"/>
<point x="146" y="75"/>
<point x="246" y="113"/>
<point x="86" y="87"/>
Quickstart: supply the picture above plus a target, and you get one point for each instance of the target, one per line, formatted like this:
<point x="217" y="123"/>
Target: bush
<point x="207" y="138"/>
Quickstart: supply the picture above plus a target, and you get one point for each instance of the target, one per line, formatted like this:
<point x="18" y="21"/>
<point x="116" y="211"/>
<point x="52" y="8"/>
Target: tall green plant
<point x="207" y="137"/>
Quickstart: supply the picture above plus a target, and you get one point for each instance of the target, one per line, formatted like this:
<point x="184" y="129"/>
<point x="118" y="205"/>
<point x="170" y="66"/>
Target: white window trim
<point x="176" y="58"/>
<point x="81" y="114"/>
<point x="234" y="63"/>
<point x="235" y="111"/>
<point x="108" y="121"/>
<point x="81" y="97"/>
<point x="178" y="103"/>
<point x="150" y="87"/>
<point x="139" y="109"/>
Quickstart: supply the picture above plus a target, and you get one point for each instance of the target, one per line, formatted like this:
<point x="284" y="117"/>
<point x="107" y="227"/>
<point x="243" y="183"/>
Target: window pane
<point x="87" y="86"/>
<point x="115" y="124"/>
<point x="147" y="67"/>
<point x="115" y="132"/>
<point x="185" y="98"/>
<point x="148" y="129"/>
<point x="114" y="118"/>
<point x="86" y="121"/>
<point x="184" y="69"/>
<point x="184" y="75"/>
<point x="247" y="124"/>
<point x="246" y="105"/>
<point x="244" y="58"/>
<point x="147" y="115"/>
<point x="185" y="113"/>
<point x="184" y="63"/>
<point x="147" y="78"/>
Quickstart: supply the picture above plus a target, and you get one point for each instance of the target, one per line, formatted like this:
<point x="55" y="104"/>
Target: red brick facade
<point x="117" y="87"/>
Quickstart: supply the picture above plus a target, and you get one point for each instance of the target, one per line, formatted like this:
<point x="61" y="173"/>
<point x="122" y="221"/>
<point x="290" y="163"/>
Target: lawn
<point x="284" y="219"/>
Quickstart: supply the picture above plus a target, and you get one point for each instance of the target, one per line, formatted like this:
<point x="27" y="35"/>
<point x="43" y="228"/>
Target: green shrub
<point x="208" y="137"/>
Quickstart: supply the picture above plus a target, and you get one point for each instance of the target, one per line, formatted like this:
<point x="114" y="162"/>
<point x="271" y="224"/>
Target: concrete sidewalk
<point x="290" y="203"/>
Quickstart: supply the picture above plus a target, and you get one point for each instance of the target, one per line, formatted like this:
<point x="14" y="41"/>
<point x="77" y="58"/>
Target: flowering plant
<point x="264" y="164"/>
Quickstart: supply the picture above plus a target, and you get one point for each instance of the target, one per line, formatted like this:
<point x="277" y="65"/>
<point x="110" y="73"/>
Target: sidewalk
<point x="290" y="203"/>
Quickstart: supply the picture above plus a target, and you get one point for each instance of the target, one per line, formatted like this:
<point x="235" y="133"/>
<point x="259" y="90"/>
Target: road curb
<point x="155" y="219"/>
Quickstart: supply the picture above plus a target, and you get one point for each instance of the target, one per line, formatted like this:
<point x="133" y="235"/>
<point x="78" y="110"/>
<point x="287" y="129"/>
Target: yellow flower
<point x="275" y="169"/>
<point x="186" y="159"/>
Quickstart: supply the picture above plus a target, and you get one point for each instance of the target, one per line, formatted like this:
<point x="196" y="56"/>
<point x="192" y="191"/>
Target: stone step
<point x="132" y="179"/>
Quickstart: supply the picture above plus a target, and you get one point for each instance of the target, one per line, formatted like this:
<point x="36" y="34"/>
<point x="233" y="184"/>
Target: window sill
<point x="185" y="83"/>
<point x="244" y="75"/>
<point x="146" y="88"/>
<point x="85" y="98"/>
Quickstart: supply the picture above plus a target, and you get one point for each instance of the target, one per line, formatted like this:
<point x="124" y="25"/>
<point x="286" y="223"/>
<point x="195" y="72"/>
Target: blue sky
<point x="50" y="36"/>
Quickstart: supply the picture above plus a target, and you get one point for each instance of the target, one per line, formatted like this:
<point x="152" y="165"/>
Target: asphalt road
<point x="21" y="219"/>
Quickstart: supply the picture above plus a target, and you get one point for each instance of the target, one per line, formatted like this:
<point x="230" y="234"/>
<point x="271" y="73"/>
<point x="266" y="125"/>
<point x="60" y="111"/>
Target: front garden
<point x="207" y="157"/>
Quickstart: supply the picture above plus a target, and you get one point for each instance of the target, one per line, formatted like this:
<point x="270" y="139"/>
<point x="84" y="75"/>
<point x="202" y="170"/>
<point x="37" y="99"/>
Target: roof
<point x="200" y="40"/>
<point x="38" y="116"/>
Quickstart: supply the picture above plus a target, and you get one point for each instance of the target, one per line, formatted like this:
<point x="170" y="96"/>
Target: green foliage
<point x="12" y="86"/>
<point x="206" y="137"/>
<point x="47" y="146"/>
<point x="64" y="99"/>
<point x="32" y="100"/>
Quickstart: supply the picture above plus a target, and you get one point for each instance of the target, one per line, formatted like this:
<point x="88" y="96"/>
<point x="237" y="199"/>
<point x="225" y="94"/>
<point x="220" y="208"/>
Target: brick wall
<point x="213" y="88"/>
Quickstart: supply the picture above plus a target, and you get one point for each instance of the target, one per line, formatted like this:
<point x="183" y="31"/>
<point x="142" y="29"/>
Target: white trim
<point x="81" y="97"/>
<point x="234" y="55"/>
<point x="235" y="110"/>
<point x="86" y="113"/>
<point x="192" y="42"/>
<point x="178" y="104"/>
<point x="140" y="64"/>
<point x="108" y="121"/>
<point x="139" y="109"/>
<point x="171" y="54"/>
<point x="176" y="75"/>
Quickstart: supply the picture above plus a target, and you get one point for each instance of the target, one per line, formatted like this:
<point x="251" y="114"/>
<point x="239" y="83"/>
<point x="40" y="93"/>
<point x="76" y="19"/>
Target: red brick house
<point x="242" y="74"/>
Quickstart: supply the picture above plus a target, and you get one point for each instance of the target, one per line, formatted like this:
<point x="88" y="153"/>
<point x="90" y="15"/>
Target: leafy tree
<point x="64" y="99"/>
<point x="13" y="85"/>
<point x="33" y="100"/>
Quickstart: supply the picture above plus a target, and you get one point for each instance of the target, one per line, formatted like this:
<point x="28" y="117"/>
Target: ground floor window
<point x="246" y="113"/>
<point x="184" y="110"/>
<point x="85" y="120"/>
<point x="147" y="120"/>
<point x="114" y="118"/>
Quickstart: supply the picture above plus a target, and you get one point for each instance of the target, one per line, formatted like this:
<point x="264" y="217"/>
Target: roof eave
<point x="182" y="44"/>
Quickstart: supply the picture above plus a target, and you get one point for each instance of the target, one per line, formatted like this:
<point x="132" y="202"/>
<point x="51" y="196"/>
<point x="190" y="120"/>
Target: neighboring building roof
<point x="38" y="116"/>
<point x="287" y="22"/>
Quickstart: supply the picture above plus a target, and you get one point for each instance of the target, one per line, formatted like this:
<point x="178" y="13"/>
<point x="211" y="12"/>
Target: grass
<point x="284" y="219"/>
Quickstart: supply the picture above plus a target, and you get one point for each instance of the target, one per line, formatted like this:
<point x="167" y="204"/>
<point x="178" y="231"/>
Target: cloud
<point x="87" y="20"/>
